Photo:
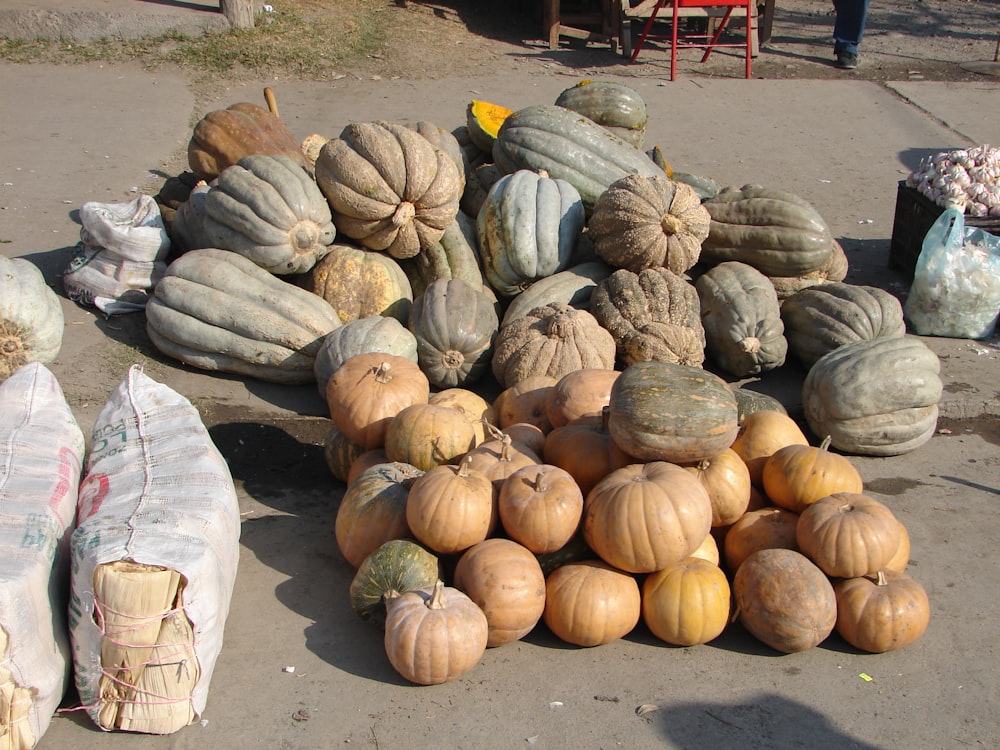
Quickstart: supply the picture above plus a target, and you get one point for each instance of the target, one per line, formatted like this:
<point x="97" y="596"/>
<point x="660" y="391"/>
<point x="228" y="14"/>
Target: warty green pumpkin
<point x="218" y="310"/>
<point x="269" y="209"/>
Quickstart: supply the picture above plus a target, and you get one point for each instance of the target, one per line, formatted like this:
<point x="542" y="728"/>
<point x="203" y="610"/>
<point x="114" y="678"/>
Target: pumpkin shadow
<point x="282" y="468"/>
<point x="766" y="721"/>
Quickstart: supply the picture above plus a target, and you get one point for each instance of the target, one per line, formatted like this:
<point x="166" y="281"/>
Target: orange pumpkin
<point x="848" y="534"/>
<point x="901" y="559"/>
<point x="525" y="402"/>
<point x="434" y="636"/>
<point x="507" y="583"/>
<point x="365" y="461"/>
<point x="471" y="404"/>
<point x="761" y="434"/>
<point x="586" y="450"/>
<point x="450" y="508"/>
<point x="686" y="603"/>
<point x="590" y="603"/>
<point x="784" y="600"/>
<point x="883" y="612"/>
<point x="540" y="506"/>
<point x="524" y="435"/>
<point x="764" y="528"/>
<point x="709" y="550"/>
<point x="498" y="459"/>
<point x="643" y="517"/>
<point x="368" y="390"/>
<point x="727" y="480"/>
<point x="581" y="393"/>
<point x="796" y="476"/>
<point x="426" y="435"/>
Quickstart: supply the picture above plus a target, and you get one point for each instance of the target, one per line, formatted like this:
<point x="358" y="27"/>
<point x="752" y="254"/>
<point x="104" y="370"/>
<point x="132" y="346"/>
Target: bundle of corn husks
<point x="154" y="561"/>
<point x="41" y="452"/>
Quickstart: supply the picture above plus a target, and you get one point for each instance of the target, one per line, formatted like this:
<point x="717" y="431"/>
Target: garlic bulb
<point x="968" y="178"/>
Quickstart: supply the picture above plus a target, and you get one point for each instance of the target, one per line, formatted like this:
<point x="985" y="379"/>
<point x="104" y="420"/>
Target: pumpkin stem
<point x="435" y="602"/>
<point x="540" y="484"/>
<point x="463" y="466"/>
<point x="494" y="432"/>
<point x="452" y="359"/>
<point x="403" y="215"/>
<point x="272" y="102"/>
<point x="704" y="464"/>
<point x="825" y="445"/>
<point x="605" y="418"/>
<point x="670" y="224"/>
<point x="751" y="344"/>
<point x="505" y="449"/>
<point x="381" y="372"/>
<point x="880" y="578"/>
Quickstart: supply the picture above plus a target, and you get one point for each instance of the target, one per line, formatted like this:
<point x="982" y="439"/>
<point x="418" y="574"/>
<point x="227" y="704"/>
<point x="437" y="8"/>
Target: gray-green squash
<point x="454" y="256"/>
<point x="568" y="146"/>
<point x="372" y="334"/>
<point x="269" y="209"/>
<point x="744" y="333"/>
<point x="31" y="317"/>
<point x="218" y="310"/>
<point x="615" y="106"/>
<point x="572" y="287"/>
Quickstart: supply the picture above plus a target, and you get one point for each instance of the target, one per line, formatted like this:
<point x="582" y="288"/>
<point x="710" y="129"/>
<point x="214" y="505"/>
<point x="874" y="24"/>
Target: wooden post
<point x="239" y="13"/>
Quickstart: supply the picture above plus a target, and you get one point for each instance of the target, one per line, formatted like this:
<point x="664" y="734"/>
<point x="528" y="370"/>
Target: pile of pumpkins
<point x="544" y="253"/>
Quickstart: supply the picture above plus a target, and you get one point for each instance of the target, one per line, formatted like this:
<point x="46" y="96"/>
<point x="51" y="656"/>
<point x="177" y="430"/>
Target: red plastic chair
<point x="706" y="41"/>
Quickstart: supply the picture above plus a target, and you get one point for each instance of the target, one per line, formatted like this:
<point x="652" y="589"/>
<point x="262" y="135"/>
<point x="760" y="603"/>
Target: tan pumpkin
<point x="590" y="603"/>
<point x="764" y="528"/>
<point x="581" y="393"/>
<point x="373" y="510"/>
<point x="527" y="436"/>
<point x="553" y="340"/>
<point x="848" y="534"/>
<point x="586" y="450"/>
<point x="540" y="506"/>
<point x="434" y="636"/>
<point x="901" y="559"/>
<point x="784" y="600"/>
<point x="709" y="550"/>
<point x="498" y="458"/>
<point x="474" y="407"/>
<point x="389" y="188"/>
<point x="426" y="435"/>
<point x="368" y="390"/>
<point x="525" y="402"/>
<point x="643" y="517"/>
<point x="686" y="603"/>
<point x="451" y="508"/>
<point x="761" y="434"/>
<point x="796" y="476"/>
<point x="507" y="583"/>
<point x="883" y="612"/>
<point x="727" y="480"/>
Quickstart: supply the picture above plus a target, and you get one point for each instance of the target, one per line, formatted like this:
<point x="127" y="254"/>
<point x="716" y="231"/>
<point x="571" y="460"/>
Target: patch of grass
<point x="300" y="38"/>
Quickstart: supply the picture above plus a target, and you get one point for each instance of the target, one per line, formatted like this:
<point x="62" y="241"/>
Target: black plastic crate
<point x="915" y="215"/>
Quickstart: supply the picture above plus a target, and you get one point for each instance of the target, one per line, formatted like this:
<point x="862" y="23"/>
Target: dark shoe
<point x="846" y="61"/>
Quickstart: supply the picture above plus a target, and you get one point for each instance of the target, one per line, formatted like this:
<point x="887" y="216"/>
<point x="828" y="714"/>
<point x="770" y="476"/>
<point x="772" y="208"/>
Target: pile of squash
<point x="614" y="304"/>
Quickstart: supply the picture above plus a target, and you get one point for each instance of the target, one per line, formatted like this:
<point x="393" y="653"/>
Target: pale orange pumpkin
<point x="883" y="612"/>
<point x="434" y="636"/>
<point x="591" y="603"/>
<point x="796" y="476"/>
<point x="765" y="528"/>
<point x="727" y="480"/>
<point x="450" y="508"/>
<point x="709" y="550"/>
<point x="581" y="393"/>
<point x="761" y="434"/>
<point x="471" y="404"/>
<point x="427" y="435"/>
<point x="540" y="506"/>
<point x="506" y="581"/>
<point x="499" y="458"/>
<point x="373" y="510"/>
<point x="524" y="435"/>
<point x="901" y="559"/>
<point x="585" y="449"/>
<point x="686" y="603"/>
<point x="848" y="534"/>
<point x="368" y="390"/>
<point x="365" y="461"/>
<point x="525" y="402"/>
<point x="643" y="517"/>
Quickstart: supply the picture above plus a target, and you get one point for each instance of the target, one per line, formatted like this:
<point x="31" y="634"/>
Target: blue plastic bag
<point x="956" y="283"/>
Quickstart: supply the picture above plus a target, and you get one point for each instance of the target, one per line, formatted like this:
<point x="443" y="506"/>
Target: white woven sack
<point x="133" y="230"/>
<point x="41" y="452"/>
<point x="156" y="492"/>
<point x="111" y="283"/>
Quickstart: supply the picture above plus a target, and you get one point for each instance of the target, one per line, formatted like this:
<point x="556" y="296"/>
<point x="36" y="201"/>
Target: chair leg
<point x="751" y="38"/>
<point x="718" y="33"/>
<point x="645" y="31"/>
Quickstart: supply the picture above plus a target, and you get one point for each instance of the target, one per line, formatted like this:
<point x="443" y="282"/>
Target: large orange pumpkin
<point x="796" y="476"/>
<point x="686" y="603"/>
<point x="586" y="450"/>
<point x="540" y="506"/>
<point x="581" y="393"/>
<point x="450" y="508"/>
<point x="426" y="435"/>
<point x="883" y="612"/>
<point x="765" y="528"/>
<point x="590" y="603"/>
<point x="848" y="534"/>
<point x="643" y="517"/>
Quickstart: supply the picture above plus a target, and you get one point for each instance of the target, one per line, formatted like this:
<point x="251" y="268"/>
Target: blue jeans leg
<point x="849" y="26"/>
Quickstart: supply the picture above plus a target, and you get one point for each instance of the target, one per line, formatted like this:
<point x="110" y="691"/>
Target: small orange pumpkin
<point x="796" y="476"/>
<point x="761" y="434"/>
<point x="765" y="528"/>
<point x="585" y="449"/>
<point x="686" y="603"/>
<point x="450" y="508"/>
<point x="883" y="612"/>
<point x="590" y="603"/>
<point x="581" y="393"/>
<point x="727" y="479"/>
<point x="848" y="534"/>
<point x="426" y="435"/>
<point x="540" y="506"/>
<point x="525" y="402"/>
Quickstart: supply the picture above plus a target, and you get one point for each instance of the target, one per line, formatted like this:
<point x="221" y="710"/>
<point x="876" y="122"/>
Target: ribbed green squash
<point x="748" y="402"/>
<point x="454" y="324"/>
<point x="642" y="222"/>
<point x="572" y="287"/>
<point x="775" y="231"/>
<point x="568" y="146"/>
<point x="739" y="310"/>
<point x="827" y="316"/>
<point x="31" y="317"/>
<point x="372" y="334"/>
<point x="454" y="256"/>
<point x="397" y="566"/>
<point x="217" y="310"/>
<point x="359" y="283"/>
<point x="528" y="229"/>
<point x="835" y="269"/>
<point x="269" y="209"/>
<point x="652" y="315"/>
<point x="876" y="397"/>
<point x="447" y="142"/>
<point x="615" y="106"/>
<point x="660" y="411"/>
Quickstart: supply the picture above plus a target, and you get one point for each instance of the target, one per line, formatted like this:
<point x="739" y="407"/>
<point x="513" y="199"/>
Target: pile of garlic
<point x="968" y="179"/>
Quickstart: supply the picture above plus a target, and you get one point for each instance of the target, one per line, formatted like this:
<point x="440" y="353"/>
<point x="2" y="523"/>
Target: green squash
<point x="398" y="566"/>
<point x="615" y="106"/>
